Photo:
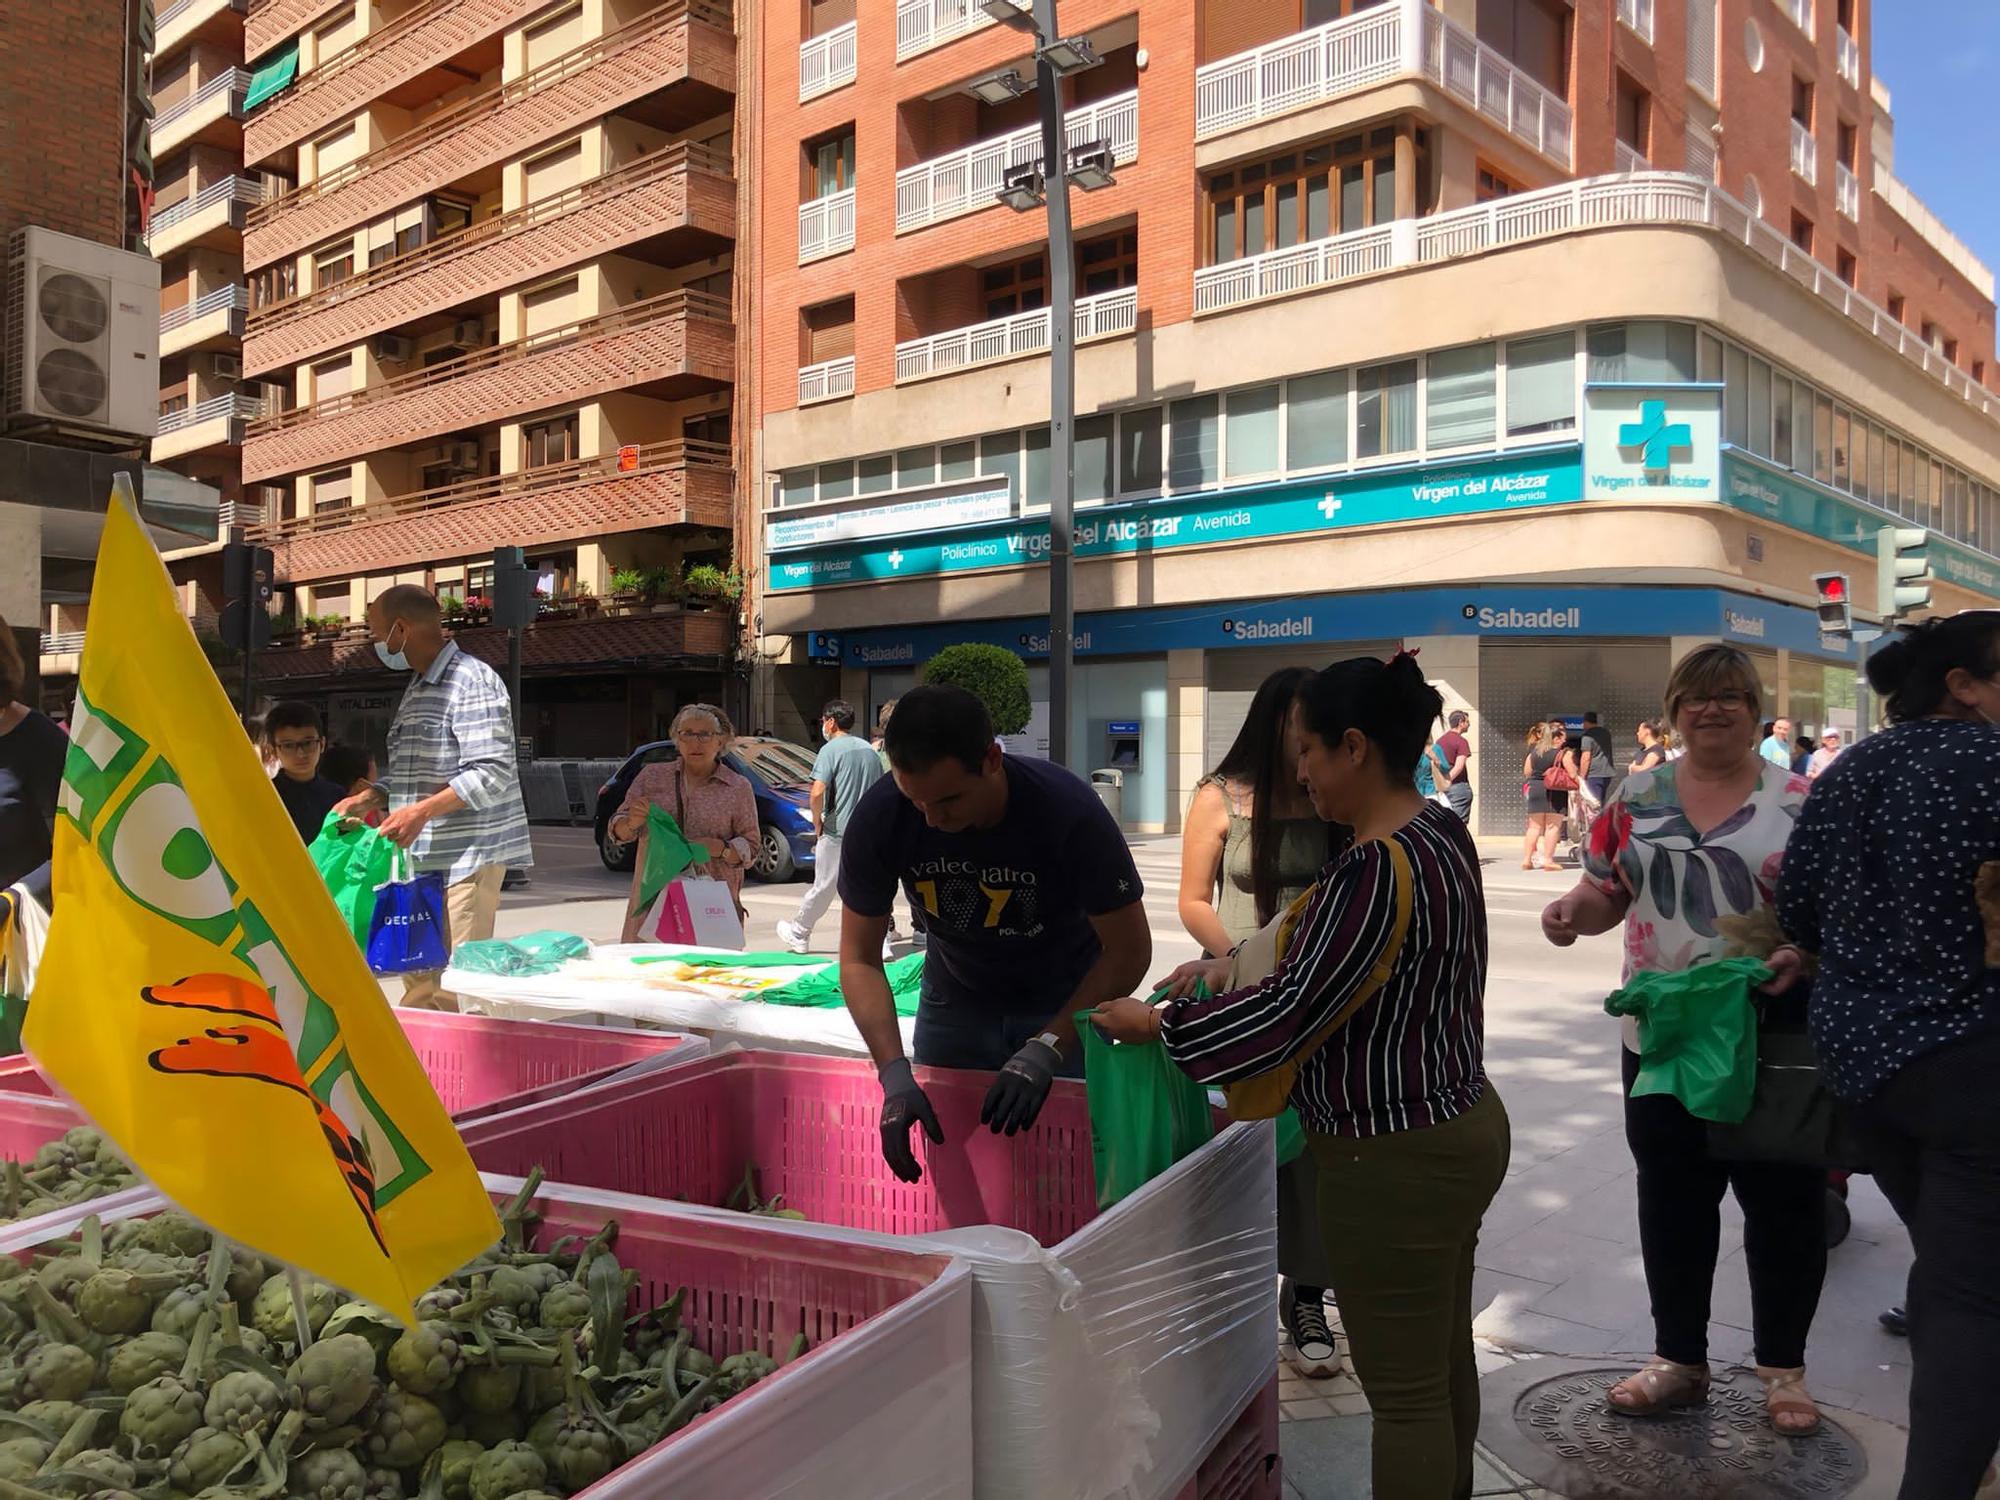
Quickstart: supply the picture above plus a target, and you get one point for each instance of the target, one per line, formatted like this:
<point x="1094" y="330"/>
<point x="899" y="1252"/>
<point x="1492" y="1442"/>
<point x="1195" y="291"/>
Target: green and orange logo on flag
<point x="199" y="995"/>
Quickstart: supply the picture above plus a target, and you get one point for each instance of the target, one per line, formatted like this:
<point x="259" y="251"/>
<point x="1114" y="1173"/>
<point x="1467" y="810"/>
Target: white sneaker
<point x="795" y="938"/>
<point x="889" y="947"/>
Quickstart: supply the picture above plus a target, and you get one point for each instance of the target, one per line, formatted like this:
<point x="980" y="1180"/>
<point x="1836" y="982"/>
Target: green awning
<point x="273" y="75"/>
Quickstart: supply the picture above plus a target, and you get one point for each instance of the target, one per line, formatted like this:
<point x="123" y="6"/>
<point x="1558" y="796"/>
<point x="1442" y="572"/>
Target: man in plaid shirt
<point x="453" y="793"/>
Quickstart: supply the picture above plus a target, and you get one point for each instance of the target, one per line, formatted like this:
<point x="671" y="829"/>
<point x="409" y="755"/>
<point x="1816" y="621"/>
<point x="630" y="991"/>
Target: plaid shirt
<point x="455" y="728"/>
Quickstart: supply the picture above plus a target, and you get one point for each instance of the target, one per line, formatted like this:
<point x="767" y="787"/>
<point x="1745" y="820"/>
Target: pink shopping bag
<point x="695" y="912"/>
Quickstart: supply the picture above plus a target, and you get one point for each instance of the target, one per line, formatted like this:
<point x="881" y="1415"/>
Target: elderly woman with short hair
<point x="714" y="806"/>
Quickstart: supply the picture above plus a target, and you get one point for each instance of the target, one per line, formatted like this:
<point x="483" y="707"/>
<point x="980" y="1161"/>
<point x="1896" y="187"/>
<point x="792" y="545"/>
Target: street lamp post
<point x="1062" y="386"/>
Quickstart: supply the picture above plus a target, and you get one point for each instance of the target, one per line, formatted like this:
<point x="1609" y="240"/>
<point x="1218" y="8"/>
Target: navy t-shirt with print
<point x="1005" y="910"/>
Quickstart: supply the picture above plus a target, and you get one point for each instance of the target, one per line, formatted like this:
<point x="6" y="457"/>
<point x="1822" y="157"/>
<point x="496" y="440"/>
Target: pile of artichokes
<point x="151" y="1361"/>
<point x="81" y="1166"/>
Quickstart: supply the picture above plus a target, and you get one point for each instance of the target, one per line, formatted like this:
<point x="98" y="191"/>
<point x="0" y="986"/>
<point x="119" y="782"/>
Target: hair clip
<point x="1409" y="651"/>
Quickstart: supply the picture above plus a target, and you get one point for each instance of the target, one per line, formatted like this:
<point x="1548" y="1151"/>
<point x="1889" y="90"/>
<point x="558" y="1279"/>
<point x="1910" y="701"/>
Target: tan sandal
<point x="1793" y="1411"/>
<point x="1661" y="1386"/>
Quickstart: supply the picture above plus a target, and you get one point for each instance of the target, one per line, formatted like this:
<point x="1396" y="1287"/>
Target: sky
<point x="1938" y="59"/>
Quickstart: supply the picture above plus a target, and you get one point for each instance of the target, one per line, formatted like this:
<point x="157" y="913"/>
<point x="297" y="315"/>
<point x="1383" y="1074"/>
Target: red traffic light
<point x="1833" y="588"/>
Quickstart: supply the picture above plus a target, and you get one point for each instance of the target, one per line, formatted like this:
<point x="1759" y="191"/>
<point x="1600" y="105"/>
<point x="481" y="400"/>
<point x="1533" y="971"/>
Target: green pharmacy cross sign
<point x="1656" y="435"/>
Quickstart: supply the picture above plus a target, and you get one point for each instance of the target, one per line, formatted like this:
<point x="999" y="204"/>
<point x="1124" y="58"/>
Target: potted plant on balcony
<point x="703" y="584"/>
<point x="453" y="608"/>
<point x="628" y="586"/>
<point x="658" y="586"/>
<point x="478" y="609"/>
<point x="587" y="602"/>
<point x="322" y="629"/>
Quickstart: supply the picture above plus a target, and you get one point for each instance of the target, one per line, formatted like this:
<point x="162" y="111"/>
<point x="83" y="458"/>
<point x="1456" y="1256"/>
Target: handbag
<point x="1557" y="778"/>
<point x="695" y="911"/>
<point x="1794" y="1118"/>
<point x="407" y="932"/>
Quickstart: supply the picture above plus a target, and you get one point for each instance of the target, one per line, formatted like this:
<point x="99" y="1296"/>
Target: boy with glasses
<point x="293" y="732"/>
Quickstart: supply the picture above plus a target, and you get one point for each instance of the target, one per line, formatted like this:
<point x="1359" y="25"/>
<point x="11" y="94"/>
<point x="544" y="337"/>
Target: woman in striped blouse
<point x="1410" y="1138"/>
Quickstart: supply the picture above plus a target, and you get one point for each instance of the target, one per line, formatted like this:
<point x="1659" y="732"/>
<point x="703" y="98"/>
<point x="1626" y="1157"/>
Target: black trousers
<point x="1680" y="1232"/>
<point x="1934" y="1141"/>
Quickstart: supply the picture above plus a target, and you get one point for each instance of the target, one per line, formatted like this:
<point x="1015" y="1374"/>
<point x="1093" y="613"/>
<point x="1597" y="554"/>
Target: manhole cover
<point x="1726" y="1450"/>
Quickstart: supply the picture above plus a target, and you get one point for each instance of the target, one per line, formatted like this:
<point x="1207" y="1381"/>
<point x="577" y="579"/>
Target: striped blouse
<point x="1414" y="1054"/>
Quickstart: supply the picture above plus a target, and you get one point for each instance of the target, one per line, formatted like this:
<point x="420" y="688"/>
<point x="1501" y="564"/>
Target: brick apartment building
<point x="487" y="281"/>
<point x="1375" y="325"/>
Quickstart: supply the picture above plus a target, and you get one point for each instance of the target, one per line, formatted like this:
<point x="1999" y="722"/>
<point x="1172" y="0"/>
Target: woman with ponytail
<point x="1375" y="1011"/>
<point x="1893" y="879"/>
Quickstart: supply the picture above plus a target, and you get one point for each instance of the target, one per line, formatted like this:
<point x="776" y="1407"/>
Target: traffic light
<point x="1836" y="606"/>
<point x="247" y="571"/>
<point x="1903" y="572"/>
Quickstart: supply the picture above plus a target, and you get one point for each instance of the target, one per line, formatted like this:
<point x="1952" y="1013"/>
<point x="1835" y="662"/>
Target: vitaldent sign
<point x="1652" y="442"/>
<point x="1507" y="482"/>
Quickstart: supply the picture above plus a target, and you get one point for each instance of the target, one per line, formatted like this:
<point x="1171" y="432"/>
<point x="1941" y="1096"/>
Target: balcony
<point x="270" y="22"/>
<point x="966" y="181"/>
<point x="1366" y="50"/>
<point x="1846" y="192"/>
<point x="829" y="380"/>
<point x="1638" y="15"/>
<point x="924" y="24"/>
<point x="184" y="20"/>
<point x="1805" y="153"/>
<point x="218" y="422"/>
<point x="208" y="114"/>
<point x="670" y="484"/>
<point x="826" y="226"/>
<point x="210" y="318"/>
<point x="827" y="62"/>
<point x="680" y="200"/>
<point x="1104" y="316"/>
<point x="1801" y="12"/>
<point x="424" y="37"/>
<point x="671" y="346"/>
<point x="1847" y="57"/>
<point x="213" y="216"/>
<point x="1625" y="158"/>
<point x="680" y="59"/>
<point x="247" y="514"/>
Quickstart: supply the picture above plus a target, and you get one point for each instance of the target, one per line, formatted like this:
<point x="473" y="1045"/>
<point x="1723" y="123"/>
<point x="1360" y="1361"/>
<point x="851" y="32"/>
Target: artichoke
<point x="147" y="1357"/>
<point x="22" y="1459"/>
<point x="147" y="1262"/>
<point x="58" y="1154"/>
<point x="247" y="1275"/>
<point x="244" y="1401"/>
<point x="271" y="1312"/>
<point x="541" y="1388"/>
<point x="172" y="1232"/>
<point x="489" y="1429"/>
<point x="384" y="1484"/>
<point x="487" y="1388"/>
<point x="96" y="1469"/>
<point x="741" y="1371"/>
<point x="161" y="1415"/>
<point x="208" y="1458"/>
<point x="57" y="1416"/>
<point x="327" y="1474"/>
<point x="407" y="1430"/>
<point x="58" y="1372"/>
<point x="440" y="1300"/>
<point x="531" y="1495"/>
<point x="179" y="1311"/>
<point x="546" y="1276"/>
<point x="514" y="1289"/>
<point x="507" y="1470"/>
<point x="455" y="1468"/>
<point x="566" y="1306"/>
<point x="580" y="1451"/>
<point x="117" y="1302"/>
<point x="335" y="1378"/>
<point x="427" y="1359"/>
<point x="63" y="1275"/>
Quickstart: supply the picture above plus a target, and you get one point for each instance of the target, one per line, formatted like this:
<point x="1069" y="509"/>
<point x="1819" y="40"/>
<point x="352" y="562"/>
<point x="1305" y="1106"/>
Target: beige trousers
<point x="470" y="906"/>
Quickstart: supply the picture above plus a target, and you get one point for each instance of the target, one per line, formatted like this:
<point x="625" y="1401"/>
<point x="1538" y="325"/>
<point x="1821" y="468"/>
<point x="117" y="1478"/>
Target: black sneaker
<point x="1897" y="1321"/>
<point x="1313" y="1352"/>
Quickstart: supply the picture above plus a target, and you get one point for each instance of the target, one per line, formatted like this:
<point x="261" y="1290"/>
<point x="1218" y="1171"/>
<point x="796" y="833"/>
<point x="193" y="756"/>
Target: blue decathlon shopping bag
<point x="407" y="933"/>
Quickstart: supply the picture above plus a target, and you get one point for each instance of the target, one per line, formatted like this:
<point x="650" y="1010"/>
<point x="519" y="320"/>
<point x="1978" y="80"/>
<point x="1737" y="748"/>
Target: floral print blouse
<point x="1682" y="884"/>
<point x="723" y="807"/>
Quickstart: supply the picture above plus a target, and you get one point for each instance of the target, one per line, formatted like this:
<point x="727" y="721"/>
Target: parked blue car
<point x="779" y="773"/>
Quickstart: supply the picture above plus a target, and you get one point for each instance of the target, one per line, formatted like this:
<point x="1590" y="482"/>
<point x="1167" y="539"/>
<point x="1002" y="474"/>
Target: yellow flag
<point x="201" y="998"/>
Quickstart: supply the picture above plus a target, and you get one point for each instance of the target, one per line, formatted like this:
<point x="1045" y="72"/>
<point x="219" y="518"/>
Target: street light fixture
<point x="1022" y="187"/>
<point x="999" y="88"/>
<point x="1067" y="55"/>
<point x="1090" y="166"/>
<point x="1007" y="13"/>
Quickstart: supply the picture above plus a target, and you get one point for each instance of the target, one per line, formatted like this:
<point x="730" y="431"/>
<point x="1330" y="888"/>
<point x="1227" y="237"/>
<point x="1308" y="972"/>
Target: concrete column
<point x="1406" y="169"/>
<point x="1783" y="708"/>
<point x="21" y="566"/>
<point x="593" y="568"/>
<point x="1187" y="728"/>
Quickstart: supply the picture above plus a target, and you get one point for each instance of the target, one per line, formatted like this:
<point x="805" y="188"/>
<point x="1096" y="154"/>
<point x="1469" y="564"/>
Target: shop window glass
<point x="1781" y="419"/>
<point x="1461" y="400"/>
<point x="878" y="474"/>
<point x="1643" y="352"/>
<point x="1092" y="460"/>
<point x="915" y="467"/>
<point x="1760" y="408"/>
<point x="1541" y="384"/>
<point x="1823" y="462"/>
<point x="1316" y="421"/>
<point x="1035" y="466"/>
<point x="1843" y="449"/>
<point x="795" y="487"/>
<point x="836" y="481"/>
<point x="1139" y="451"/>
<point x="1193" y="442"/>
<point x="1385" y="409"/>
<point x="1252" y="438"/>
<point x="1710" y="363"/>
<point x="1000" y="454"/>
<point x="958" y="461"/>
<point x="1736" y="397"/>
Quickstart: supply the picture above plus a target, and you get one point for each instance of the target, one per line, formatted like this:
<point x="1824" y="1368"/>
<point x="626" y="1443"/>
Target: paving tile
<point x="1605" y="1295"/>
<point x="1545" y="1252"/>
<point x="1307" y="1411"/>
<point x="1350" y="1406"/>
<point x="1488" y="1480"/>
<point x="1525" y="1329"/>
<point x="1328" y="1460"/>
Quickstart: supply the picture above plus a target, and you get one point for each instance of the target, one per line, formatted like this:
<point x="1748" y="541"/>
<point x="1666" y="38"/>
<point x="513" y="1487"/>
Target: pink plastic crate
<point x="1244" y="1463"/>
<point x="811" y="1127"/>
<point x="481" y="1065"/>
<point x="27" y="1124"/>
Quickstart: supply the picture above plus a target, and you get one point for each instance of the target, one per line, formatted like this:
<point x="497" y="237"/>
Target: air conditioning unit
<point x="391" y="346"/>
<point x="468" y="333"/>
<point x="83" y="334"/>
<point x="226" y="366"/>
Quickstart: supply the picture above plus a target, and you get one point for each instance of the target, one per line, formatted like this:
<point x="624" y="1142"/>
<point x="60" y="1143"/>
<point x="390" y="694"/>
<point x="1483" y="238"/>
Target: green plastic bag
<point x="667" y="854"/>
<point x="352" y="863"/>
<point x="1291" y="1137"/>
<point x="1145" y="1113"/>
<point x="1697" y="1035"/>
<point x="530" y="954"/>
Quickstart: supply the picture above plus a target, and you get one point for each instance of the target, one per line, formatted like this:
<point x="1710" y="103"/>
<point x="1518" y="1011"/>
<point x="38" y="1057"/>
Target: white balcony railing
<point x="826" y="225"/>
<point x="1370" y="48"/>
<point x="1801" y="12"/>
<point x="1846" y="192"/>
<point x="1666" y="199"/>
<point x="1847" y="55"/>
<point x="247" y="190"/>
<point x="219" y="300"/>
<point x="244" y="513"/>
<point x="62" y="642"/>
<point x="1626" y="159"/>
<point x="1637" y="14"/>
<point x="826" y="62"/>
<point x="828" y="380"/>
<point x="235" y="404"/>
<point x="229" y="81"/>
<point x="924" y="24"/>
<point x="968" y="180"/>
<point x="1104" y="316"/>
<point x="1805" y="153"/>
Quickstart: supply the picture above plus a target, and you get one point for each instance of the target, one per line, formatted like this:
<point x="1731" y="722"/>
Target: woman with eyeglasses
<point x="714" y="806"/>
<point x="294" y="734"/>
<point x="1677" y="852"/>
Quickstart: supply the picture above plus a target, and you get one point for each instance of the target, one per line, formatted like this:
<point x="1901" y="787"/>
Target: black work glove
<point x="1018" y="1093"/>
<point x="904" y="1103"/>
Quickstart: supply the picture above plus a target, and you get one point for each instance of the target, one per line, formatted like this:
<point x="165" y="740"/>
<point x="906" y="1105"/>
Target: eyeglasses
<point x="1734" y="700"/>
<point x="699" y="736"/>
<point x="295" y="747"/>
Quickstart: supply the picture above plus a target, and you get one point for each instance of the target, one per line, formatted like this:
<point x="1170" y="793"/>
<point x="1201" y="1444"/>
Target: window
<point x="1092" y="460"/>
<point x="836" y="481"/>
<point x="1844" y="264"/>
<point x="1533" y="35"/>
<point x="333" y="490"/>
<point x="1541" y="384"/>
<point x="1460" y="389"/>
<point x="1951" y="350"/>
<point x="1843" y="11"/>
<point x="796" y="487"/>
<point x="1107" y="264"/>
<point x="1845" y="144"/>
<point x="958" y="461"/>
<point x="1642" y="352"/>
<point x="1289" y="200"/>
<point x="916" y="466"/>
<point x="1492" y="185"/>
<point x="332" y="378"/>
<point x="1843" y="448"/>
<point x="1802" y="231"/>
<point x="1316" y="421"/>
<point x="554" y="172"/>
<point x="1928" y="332"/>
<point x="1823" y="439"/>
<point x="1896" y="306"/>
<point x="1193" y="441"/>
<point x="878" y="474"/>
<point x="1385" y="409"/>
<point x="1760" y="408"/>
<point x="551" y="37"/>
<point x="1781" y="419"/>
<point x="277" y="283"/>
<point x="1802" y="101"/>
<point x="1035" y="467"/>
<point x="830" y="164"/>
<point x="1251" y="439"/>
<point x="1634" y="119"/>
<point x="827" y="332"/>
<point x="551" y="441"/>
<point x="333" y="264"/>
<point x="1139" y="451"/>
<point x="1000" y="455"/>
<point x="549" y="308"/>
<point x="1017" y="288"/>
<point x="1736" y="397"/>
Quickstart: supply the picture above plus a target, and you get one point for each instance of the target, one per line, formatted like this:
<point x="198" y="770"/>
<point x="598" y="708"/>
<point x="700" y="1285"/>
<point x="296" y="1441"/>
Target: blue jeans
<point x="978" y="1037"/>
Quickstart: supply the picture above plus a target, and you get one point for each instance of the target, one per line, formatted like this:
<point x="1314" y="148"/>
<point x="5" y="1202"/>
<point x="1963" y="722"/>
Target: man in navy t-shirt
<point x="1026" y="891"/>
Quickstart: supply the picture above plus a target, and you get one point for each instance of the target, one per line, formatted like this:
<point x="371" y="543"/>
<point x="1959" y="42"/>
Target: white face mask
<point x="395" y="661"/>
